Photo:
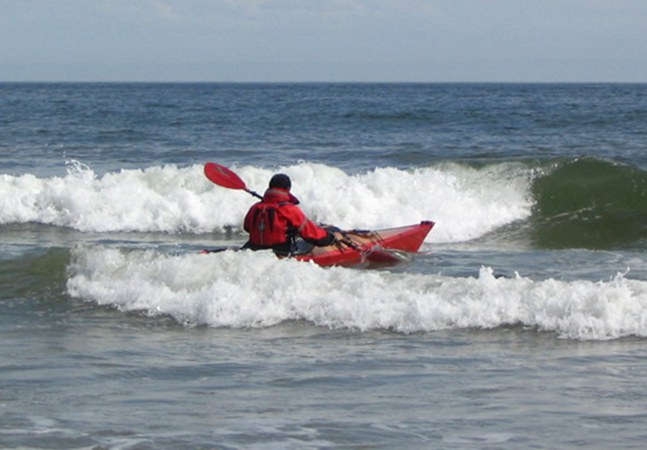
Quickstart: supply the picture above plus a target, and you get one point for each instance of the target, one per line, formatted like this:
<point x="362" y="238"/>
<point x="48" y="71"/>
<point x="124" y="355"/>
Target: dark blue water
<point x="521" y="324"/>
<point x="352" y="126"/>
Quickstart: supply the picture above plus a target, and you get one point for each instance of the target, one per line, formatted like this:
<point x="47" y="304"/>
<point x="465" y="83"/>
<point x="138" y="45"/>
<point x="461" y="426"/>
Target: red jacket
<point x="272" y="221"/>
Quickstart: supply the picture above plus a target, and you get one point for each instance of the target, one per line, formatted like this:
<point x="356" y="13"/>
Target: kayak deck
<point x="386" y="246"/>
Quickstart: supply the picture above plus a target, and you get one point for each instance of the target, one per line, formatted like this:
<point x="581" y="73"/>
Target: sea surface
<point x="521" y="324"/>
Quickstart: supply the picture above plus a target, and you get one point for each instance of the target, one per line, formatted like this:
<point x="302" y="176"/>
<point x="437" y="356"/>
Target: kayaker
<point x="276" y="221"/>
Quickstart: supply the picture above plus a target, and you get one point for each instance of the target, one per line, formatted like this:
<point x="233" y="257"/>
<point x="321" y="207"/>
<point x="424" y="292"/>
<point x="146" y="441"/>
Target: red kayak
<point x="388" y="246"/>
<point x="358" y="247"/>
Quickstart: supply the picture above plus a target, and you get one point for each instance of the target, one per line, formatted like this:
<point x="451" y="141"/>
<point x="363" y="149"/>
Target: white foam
<point x="464" y="202"/>
<point x="254" y="289"/>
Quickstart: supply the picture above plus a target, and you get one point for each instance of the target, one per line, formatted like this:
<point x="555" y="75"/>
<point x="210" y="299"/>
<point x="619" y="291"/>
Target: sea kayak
<point x="362" y="247"/>
<point x="387" y="246"/>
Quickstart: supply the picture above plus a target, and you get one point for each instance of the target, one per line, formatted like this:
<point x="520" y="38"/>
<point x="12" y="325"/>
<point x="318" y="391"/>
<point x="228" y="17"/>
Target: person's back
<point x="275" y="221"/>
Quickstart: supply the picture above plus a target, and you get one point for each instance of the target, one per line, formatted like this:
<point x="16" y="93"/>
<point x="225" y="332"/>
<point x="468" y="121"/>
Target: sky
<point x="324" y="40"/>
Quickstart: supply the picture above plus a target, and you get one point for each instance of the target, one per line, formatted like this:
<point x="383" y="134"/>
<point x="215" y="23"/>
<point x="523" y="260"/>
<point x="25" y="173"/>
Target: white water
<point x="465" y="203"/>
<point x="253" y="289"/>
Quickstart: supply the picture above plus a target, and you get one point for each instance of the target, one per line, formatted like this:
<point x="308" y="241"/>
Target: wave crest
<point x="590" y="203"/>
<point x="253" y="289"/>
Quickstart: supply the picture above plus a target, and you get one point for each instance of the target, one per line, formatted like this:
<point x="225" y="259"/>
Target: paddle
<point x="224" y="177"/>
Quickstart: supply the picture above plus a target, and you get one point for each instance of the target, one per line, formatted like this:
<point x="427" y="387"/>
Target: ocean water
<point x="521" y="324"/>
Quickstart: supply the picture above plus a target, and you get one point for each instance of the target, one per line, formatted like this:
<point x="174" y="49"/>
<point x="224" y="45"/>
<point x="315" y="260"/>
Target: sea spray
<point x="255" y="289"/>
<point x="465" y="202"/>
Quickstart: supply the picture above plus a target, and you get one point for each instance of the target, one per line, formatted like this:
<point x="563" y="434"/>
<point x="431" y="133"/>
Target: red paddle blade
<point x="223" y="176"/>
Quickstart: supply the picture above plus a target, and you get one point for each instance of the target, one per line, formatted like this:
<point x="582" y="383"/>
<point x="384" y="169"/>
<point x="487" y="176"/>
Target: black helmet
<point x="281" y="180"/>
